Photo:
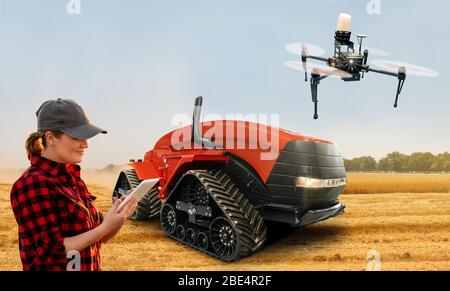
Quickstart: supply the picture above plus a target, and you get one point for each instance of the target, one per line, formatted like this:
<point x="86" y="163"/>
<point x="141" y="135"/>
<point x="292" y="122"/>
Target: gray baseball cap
<point x="67" y="116"/>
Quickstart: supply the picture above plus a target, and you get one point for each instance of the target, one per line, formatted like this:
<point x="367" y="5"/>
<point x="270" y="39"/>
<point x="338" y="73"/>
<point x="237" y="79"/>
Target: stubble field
<point x="403" y="223"/>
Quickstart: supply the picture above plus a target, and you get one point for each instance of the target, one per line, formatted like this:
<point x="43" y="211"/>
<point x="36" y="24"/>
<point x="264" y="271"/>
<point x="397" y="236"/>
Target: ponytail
<point x="36" y="142"/>
<point x="33" y="145"/>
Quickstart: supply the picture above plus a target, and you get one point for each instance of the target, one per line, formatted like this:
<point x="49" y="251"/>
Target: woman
<point x="59" y="227"/>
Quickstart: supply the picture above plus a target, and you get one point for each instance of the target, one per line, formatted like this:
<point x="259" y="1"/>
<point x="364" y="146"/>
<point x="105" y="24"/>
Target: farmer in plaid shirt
<point x="59" y="226"/>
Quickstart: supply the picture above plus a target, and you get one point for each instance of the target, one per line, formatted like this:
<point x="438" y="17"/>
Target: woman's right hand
<point x="114" y="219"/>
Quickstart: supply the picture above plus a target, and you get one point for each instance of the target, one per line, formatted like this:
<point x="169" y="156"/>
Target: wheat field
<point x="362" y="183"/>
<point x="409" y="231"/>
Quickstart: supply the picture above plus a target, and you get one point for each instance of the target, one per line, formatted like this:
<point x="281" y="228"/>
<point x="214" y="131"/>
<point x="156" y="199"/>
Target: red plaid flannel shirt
<point x="50" y="202"/>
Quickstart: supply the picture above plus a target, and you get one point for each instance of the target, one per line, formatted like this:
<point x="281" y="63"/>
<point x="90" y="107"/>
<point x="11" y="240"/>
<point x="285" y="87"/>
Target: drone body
<point x="346" y="63"/>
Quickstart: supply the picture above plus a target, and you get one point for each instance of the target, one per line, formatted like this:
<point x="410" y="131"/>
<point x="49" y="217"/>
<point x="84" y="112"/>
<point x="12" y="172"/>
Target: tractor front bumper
<point x="313" y="216"/>
<point x="296" y="217"/>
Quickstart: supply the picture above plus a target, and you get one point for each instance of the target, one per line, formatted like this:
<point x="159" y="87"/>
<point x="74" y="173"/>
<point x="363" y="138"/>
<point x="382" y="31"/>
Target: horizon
<point x="101" y="168"/>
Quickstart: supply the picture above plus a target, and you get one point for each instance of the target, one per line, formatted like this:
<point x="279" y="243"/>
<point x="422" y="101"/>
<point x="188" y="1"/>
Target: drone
<point x="347" y="64"/>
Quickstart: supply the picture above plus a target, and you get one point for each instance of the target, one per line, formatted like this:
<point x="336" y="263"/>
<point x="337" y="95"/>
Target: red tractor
<point x="216" y="197"/>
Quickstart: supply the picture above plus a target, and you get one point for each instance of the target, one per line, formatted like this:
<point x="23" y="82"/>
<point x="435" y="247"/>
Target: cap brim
<point x="85" y="131"/>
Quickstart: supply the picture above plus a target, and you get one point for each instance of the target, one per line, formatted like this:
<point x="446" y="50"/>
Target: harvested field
<point x="409" y="231"/>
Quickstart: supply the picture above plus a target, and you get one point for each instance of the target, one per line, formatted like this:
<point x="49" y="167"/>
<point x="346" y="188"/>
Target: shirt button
<point x="74" y="188"/>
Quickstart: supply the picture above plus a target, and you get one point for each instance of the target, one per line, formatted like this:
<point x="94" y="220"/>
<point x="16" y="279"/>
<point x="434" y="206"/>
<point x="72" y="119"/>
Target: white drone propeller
<point x="309" y="49"/>
<point x="411" y="69"/>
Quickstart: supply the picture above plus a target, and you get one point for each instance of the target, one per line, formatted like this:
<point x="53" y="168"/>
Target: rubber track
<point x="249" y="224"/>
<point x="150" y="205"/>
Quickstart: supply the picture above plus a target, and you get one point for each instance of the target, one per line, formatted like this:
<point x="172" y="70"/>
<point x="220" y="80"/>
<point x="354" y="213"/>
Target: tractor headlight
<point x="304" y="182"/>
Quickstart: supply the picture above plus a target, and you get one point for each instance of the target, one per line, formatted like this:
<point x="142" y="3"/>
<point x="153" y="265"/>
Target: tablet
<point x="139" y="192"/>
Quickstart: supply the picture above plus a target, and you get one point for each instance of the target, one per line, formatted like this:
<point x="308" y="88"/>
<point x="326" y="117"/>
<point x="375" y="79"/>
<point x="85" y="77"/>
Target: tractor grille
<point x="311" y="160"/>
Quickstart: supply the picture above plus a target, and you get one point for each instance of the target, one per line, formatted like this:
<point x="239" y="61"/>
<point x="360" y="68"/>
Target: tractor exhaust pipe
<point x="196" y="137"/>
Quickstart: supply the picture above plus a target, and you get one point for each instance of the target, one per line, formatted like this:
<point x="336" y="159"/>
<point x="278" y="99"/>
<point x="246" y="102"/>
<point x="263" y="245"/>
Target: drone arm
<point x="305" y="57"/>
<point x="401" y="75"/>
<point x="369" y="69"/>
<point x="318" y="58"/>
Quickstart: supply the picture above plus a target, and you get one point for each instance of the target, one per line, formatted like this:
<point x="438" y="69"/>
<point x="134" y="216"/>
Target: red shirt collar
<point x="53" y="168"/>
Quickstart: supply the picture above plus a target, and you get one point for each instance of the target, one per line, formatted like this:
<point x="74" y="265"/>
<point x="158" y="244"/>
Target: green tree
<point x="349" y="165"/>
<point x="394" y="161"/>
<point x="361" y="164"/>
<point x="420" y="162"/>
<point x="441" y="163"/>
<point x="367" y="164"/>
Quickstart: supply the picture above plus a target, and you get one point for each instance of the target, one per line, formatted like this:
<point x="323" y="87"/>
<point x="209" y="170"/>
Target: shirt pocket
<point x="77" y="212"/>
<point x="77" y="217"/>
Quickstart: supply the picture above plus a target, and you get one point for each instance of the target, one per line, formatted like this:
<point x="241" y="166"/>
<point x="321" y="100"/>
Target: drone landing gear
<point x="401" y="81"/>
<point x="315" y="81"/>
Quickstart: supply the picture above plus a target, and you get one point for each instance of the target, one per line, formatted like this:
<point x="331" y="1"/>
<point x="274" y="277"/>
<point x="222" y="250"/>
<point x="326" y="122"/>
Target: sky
<point x="133" y="65"/>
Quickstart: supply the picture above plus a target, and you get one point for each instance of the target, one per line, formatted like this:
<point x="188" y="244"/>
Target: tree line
<point x="398" y="162"/>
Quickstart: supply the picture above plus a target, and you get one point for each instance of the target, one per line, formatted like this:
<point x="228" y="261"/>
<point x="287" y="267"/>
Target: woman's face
<point x="66" y="149"/>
